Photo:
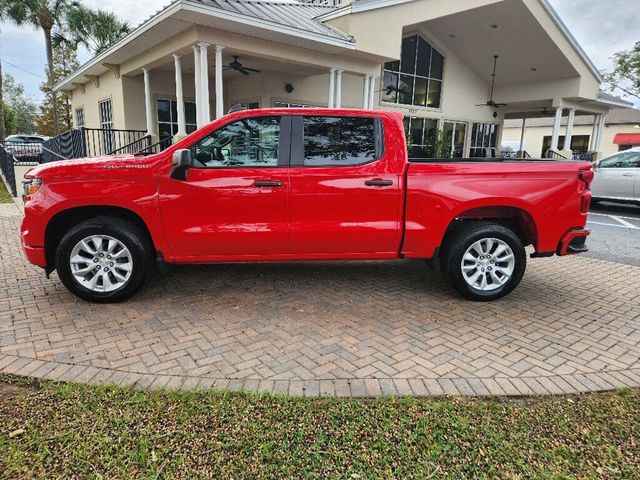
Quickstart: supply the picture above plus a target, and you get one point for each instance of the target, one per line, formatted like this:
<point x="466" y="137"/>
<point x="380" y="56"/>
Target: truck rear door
<point x="345" y="188"/>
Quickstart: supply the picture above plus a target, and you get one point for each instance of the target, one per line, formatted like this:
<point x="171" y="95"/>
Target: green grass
<point x="75" y="431"/>
<point x="5" y="196"/>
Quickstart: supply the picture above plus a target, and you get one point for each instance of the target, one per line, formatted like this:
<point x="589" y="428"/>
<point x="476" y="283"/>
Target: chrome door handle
<point x="267" y="183"/>
<point x="378" y="182"/>
<point x="627" y="175"/>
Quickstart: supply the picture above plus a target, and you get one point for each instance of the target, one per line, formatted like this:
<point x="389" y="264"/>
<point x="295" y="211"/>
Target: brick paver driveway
<point x="344" y="329"/>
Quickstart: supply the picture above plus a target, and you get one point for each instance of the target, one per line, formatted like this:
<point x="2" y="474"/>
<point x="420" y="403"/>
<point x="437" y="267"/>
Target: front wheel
<point x="484" y="261"/>
<point x="103" y="260"/>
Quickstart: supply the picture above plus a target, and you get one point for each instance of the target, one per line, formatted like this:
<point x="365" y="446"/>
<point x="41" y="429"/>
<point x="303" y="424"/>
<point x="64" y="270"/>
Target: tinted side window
<point x="622" y="160"/>
<point x="250" y="142"/>
<point x="339" y="141"/>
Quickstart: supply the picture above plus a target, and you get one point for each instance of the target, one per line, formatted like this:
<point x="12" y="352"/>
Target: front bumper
<point x="35" y="255"/>
<point x="573" y="242"/>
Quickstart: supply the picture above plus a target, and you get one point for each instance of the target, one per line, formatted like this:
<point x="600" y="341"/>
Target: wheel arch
<point x="515" y="218"/>
<point x="62" y="221"/>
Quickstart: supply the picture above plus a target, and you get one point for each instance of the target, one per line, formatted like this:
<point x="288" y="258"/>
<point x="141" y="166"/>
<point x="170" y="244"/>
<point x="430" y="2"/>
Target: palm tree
<point x="41" y="14"/>
<point x="96" y="30"/>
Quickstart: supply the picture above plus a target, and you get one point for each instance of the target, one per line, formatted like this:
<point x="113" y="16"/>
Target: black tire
<point x="129" y="235"/>
<point x="461" y="239"/>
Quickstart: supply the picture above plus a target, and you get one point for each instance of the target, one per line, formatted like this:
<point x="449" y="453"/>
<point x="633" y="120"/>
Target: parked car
<point x="300" y="184"/>
<point x="617" y="178"/>
<point x="25" y="147"/>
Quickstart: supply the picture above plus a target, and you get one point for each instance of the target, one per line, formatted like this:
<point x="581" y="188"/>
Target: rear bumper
<point x="573" y="242"/>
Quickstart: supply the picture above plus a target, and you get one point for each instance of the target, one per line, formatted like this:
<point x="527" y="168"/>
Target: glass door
<point x="455" y="134"/>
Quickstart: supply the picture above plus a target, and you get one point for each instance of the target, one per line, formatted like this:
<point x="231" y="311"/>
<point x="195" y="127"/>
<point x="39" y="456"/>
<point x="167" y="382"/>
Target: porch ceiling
<point x="507" y="29"/>
<point x="265" y="65"/>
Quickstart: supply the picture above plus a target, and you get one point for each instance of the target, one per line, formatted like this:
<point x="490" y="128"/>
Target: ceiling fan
<point x="238" y="67"/>
<point x="491" y="102"/>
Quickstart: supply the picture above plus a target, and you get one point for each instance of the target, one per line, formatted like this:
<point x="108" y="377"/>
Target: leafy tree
<point x="44" y="15"/>
<point x="9" y="117"/>
<point x="65" y="61"/>
<point x="626" y="73"/>
<point x="24" y="108"/>
<point x="96" y="30"/>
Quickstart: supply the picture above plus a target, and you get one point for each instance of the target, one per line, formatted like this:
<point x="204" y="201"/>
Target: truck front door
<point x="234" y="202"/>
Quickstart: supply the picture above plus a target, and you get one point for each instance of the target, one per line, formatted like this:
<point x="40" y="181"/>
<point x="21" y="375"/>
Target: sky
<point x="601" y="28"/>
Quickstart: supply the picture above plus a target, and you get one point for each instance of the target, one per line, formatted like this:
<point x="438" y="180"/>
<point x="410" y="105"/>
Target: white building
<point x="432" y="60"/>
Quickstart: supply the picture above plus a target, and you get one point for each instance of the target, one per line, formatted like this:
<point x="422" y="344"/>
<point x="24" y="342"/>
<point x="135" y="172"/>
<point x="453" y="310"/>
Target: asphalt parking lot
<point x="616" y="233"/>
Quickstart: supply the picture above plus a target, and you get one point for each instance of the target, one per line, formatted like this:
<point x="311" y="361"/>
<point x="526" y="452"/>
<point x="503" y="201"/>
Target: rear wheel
<point x="104" y="260"/>
<point x="484" y="261"/>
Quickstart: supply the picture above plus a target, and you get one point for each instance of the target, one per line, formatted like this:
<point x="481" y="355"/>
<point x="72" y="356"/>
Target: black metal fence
<point x="103" y="141"/>
<point x="94" y="142"/>
<point x="7" y="166"/>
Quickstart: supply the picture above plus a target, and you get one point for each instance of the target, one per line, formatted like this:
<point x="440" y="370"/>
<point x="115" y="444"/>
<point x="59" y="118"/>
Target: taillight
<point x="586" y="176"/>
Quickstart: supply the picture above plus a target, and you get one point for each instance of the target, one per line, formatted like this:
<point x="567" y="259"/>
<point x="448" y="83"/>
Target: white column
<point x="372" y="91"/>
<point x="196" y="62"/>
<point x="148" y="103"/>
<point x="182" y="129"/>
<point x="601" y="123"/>
<point x="556" y="129"/>
<point x="219" y="84"/>
<point x="594" y="132"/>
<point x="204" y="83"/>
<point x="338" y="88"/>
<point x="365" y="92"/>
<point x="332" y="87"/>
<point x="569" y="135"/>
<point x="524" y="124"/>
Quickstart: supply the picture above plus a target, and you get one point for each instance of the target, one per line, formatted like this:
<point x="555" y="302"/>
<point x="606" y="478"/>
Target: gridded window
<point x="420" y="134"/>
<point x="168" y="117"/>
<point x="483" y="135"/>
<point x="283" y="104"/>
<point x="250" y="142"/>
<point x="106" y="124"/>
<point x="339" y="141"/>
<point x="79" y="117"/>
<point x="415" y="79"/>
<point x="106" y="119"/>
<point x="236" y="107"/>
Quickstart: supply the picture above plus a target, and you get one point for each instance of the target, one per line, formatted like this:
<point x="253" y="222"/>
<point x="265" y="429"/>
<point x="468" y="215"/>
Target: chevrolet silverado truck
<point x="300" y="185"/>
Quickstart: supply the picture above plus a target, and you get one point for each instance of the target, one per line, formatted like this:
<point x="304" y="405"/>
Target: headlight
<point x="31" y="186"/>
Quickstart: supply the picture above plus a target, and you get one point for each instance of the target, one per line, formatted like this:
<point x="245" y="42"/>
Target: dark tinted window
<point x="339" y="140"/>
<point x="250" y="142"/>
<point x="622" y="160"/>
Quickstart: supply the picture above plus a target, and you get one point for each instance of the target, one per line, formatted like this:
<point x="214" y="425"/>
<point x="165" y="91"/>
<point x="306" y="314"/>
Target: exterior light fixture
<point x="288" y="87"/>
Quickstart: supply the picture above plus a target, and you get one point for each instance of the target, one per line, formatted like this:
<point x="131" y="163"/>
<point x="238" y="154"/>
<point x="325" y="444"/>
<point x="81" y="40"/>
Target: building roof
<point x="616" y="116"/>
<point x="301" y="16"/>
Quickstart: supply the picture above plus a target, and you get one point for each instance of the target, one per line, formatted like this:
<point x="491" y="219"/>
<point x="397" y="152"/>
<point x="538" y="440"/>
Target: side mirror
<point x="180" y="163"/>
<point x="596" y="166"/>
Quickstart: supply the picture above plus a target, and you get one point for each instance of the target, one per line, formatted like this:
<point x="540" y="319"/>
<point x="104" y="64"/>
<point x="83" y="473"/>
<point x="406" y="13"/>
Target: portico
<point x="184" y="67"/>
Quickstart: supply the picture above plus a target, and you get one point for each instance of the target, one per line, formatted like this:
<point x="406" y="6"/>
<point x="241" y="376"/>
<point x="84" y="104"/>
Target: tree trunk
<point x="2" y="131"/>
<point x="54" y="95"/>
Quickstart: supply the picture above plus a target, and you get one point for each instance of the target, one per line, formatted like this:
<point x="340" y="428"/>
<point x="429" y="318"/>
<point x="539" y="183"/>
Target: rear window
<point x="339" y="141"/>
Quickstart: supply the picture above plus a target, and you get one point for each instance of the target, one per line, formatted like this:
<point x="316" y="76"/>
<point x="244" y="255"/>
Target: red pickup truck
<point x="300" y="184"/>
